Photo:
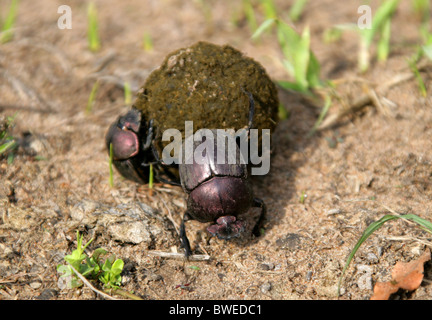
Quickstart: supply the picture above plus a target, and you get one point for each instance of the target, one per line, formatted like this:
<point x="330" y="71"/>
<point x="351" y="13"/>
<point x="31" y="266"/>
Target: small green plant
<point x="381" y="28"/>
<point x="7" y="142"/>
<point x="127" y="93"/>
<point x="151" y="177"/>
<point x="6" y="31"/>
<point x="147" y="42"/>
<point x="93" y="28"/>
<point x="301" y="64"/>
<point x="247" y="10"/>
<point x="422" y="7"/>
<point x="269" y="9"/>
<point x="92" y="267"/>
<point x="92" y="97"/>
<point x="424" y="224"/>
<point x="297" y="9"/>
<point x="299" y="60"/>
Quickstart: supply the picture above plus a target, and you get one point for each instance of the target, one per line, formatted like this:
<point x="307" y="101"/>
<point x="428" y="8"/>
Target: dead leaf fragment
<point x="406" y="276"/>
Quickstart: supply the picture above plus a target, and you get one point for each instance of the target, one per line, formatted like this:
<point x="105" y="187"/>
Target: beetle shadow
<point x="277" y="189"/>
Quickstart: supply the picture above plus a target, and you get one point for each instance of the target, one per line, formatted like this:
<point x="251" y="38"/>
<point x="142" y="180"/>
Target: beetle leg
<point x="184" y="239"/>
<point x="149" y="138"/>
<point x="251" y="108"/>
<point x="260" y="204"/>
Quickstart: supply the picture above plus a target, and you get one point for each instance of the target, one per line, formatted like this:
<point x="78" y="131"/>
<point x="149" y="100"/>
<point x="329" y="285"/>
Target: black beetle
<point x="133" y="150"/>
<point x="218" y="192"/>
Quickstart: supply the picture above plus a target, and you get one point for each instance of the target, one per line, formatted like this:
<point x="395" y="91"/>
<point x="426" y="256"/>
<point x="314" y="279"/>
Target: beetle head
<point x="227" y="227"/>
<point x="125" y="136"/>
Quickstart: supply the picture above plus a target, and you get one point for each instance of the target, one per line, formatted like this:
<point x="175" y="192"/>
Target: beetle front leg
<point x="260" y="204"/>
<point x="184" y="239"/>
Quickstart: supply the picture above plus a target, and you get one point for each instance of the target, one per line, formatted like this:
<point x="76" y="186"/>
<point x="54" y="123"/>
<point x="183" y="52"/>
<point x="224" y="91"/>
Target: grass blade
<point x="93" y="28"/>
<point x="250" y="15"/>
<point x="384" y="41"/>
<point x="424" y="224"/>
<point x="297" y="9"/>
<point x="147" y="42"/>
<point x="92" y="97"/>
<point x="6" y="146"/>
<point x="127" y="93"/>
<point x="269" y="9"/>
<point x="151" y="177"/>
<point x="262" y="28"/>
<point x="7" y="34"/>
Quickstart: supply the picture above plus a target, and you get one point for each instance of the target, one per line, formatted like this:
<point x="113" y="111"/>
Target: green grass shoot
<point x="93" y="28"/>
<point x="147" y="42"/>
<point x="299" y="61"/>
<point x="297" y="9"/>
<point x="413" y="66"/>
<point x="111" y="171"/>
<point x="424" y="224"/>
<point x="323" y="113"/>
<point x="381" y="26"/>
<point x="7" y="142"/>
<point x="269" y="9"/>
<point x="283" y="113"/>
<point x="127" y="93"/>
<point x="151" y="178"/>
<point x="250" y="15"/>
<point x="92" y="98"/>
<point x="422" y="7"/>
<point x="303" y="197"/>
<point x="6" y="30"/>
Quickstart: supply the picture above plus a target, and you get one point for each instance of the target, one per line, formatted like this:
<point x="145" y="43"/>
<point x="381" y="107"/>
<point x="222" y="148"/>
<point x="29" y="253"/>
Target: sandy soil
<point x="370" y="164"/>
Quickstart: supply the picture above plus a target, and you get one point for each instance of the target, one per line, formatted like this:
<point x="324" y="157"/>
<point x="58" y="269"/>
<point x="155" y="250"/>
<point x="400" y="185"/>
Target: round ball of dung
<point x="206" y="83"/>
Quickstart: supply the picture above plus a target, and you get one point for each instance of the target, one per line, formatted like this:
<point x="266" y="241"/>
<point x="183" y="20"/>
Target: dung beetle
<point x="197" y="83"/>
<point x="132" y="156"/>
<point x="218" y="192"/>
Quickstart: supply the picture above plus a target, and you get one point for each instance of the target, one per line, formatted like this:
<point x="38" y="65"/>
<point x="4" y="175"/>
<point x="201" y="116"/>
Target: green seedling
<point x="93" y="28"/>
<point x="297" y="9"/>
<point x="381" y="28"/>
<point x="422" y="7"/>
<point x="127" y="93"/>
<point x="92" y="267"/>
<point x="269" y="9"/>
<point x="151" y="177"/>
<point x="7" y="142"/>
<point x="424" y="50"/>
<point x="303" y="197"/>
<point x="92" y="98"/>
<point x="6" y="31"/>
<point x="299" y="61"/>
<point x="283" y="113"/>
<point x="249" y="13"/>
<point x="323" y="113"/>
<point x="147" y="42"/>
<point x="424" y="224"/>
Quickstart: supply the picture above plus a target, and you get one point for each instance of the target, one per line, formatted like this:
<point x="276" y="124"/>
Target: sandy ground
<point x="370" y="164"/>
